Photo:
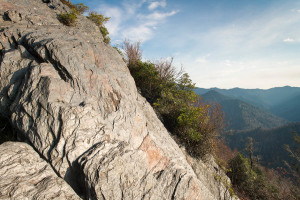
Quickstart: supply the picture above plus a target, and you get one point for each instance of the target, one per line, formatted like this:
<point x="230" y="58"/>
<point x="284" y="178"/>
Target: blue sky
<point x="220" y="43"/>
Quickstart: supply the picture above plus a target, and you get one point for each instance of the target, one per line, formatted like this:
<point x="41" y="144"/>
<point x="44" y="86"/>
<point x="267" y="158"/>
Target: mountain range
<point x="268" y="116"/>
<point x="279" y="100"/>
<point x="240" y="115"/>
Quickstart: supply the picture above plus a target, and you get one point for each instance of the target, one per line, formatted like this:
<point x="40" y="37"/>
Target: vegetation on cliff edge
<point x="69" y="19"/>
<point x="170" y="92"/>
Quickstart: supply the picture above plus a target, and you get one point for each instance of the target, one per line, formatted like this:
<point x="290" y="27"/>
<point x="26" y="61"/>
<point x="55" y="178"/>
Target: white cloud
<point x="289" y="40"/>
<point x="243" y="36"/>
<point x="160" y="15"/>
<point x="130" y="20"/>
<point x="296" y="10"/>
<point x="156" y="4"/>
<point x="116" y="16"/>
<point x="202" y="59"/>
<point x="139" y="33"/>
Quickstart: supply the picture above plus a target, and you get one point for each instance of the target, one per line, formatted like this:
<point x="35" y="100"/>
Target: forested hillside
<point x="268" y="143"/>
<point x="288" y="109"/>
<point x="279" y="100"/>
<point x="240" y="115"/>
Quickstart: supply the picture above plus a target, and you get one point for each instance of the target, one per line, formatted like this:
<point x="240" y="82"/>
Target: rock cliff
<point x="71" y="97"/>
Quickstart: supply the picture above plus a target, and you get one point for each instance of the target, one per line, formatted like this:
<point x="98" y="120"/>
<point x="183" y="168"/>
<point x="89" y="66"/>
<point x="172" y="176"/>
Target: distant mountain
<point x="288" y="109"/>
<point x="279" y="100"/>
<point x="240" y="115"/>
<point x="268" y="143"/>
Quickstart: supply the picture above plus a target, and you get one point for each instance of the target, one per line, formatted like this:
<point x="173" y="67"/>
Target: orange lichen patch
<point x="193" y="192"/>
<point x="156" y="161"/>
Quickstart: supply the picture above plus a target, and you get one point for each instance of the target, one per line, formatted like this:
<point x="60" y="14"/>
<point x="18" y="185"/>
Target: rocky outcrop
<point x="72" y="98"/>
<point x="24" y="175"/>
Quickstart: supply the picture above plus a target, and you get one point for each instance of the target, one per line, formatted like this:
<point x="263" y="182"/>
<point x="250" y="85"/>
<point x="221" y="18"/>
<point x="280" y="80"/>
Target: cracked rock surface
<point x="32" y="177"/>
<point x="72" y="98"/>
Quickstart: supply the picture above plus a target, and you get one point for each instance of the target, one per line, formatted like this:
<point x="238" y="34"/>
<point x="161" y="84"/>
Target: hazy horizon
<point x="249" y="88"/>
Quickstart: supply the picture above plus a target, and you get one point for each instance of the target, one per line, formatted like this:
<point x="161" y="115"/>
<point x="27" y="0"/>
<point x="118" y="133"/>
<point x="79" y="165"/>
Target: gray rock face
<point x="73" y="99"/>
<point x="24" y="175"/>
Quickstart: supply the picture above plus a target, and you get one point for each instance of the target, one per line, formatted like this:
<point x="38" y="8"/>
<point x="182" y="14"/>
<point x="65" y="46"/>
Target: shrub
<point x="97" y="18"/>
<point x="67" y="19"/>
<point x="67" y="3"/>
<point x="78" y="9"/>
<point x="105" y="33"/>
<point x="100" y="20"/>
<point x="133" y="52"/>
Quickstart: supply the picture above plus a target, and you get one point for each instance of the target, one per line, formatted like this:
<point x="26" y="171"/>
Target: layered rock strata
<point x="24" y="175"/>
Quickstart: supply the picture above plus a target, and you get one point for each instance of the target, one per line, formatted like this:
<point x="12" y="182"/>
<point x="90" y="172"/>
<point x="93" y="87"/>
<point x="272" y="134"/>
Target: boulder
<point x="71" y="96"/>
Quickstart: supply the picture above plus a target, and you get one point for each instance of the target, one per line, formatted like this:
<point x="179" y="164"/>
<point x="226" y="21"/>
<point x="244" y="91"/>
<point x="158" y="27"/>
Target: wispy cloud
<point x="202" y="59"/>
<point x="296" y="10"/>
<point x="132" y="21"/>
<point x="289" y="40"/>
<point x="155" y="16"/>
<point x="156" y="4"/>
<point x="116" y="17"/>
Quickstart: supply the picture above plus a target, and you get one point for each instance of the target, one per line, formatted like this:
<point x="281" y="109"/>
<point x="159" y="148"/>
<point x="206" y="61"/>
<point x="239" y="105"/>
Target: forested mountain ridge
<point x="240" y="115"/>
<point x="266" y="99"/>
<point x="288" y="109"/>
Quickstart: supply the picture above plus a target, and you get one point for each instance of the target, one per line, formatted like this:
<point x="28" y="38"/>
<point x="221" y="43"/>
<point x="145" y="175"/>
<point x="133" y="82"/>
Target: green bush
<point x="67" y="19"/>
<point x="100" y="20"/>
<point x="146" y="78"/>
<point x="78" y="9"/>
<point x="105" y="33"/>
<point x="97" y="18"/>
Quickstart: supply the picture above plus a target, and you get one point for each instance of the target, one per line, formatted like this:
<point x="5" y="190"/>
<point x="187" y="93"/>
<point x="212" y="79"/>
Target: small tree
<point x="294" y="166"/>
<point x="249" y="149"/>
<point x="167" y="71"/>
<point x="133" y="52"/>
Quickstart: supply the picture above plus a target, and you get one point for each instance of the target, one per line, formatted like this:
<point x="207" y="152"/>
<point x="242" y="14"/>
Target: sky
<point x="219" y="43"/>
